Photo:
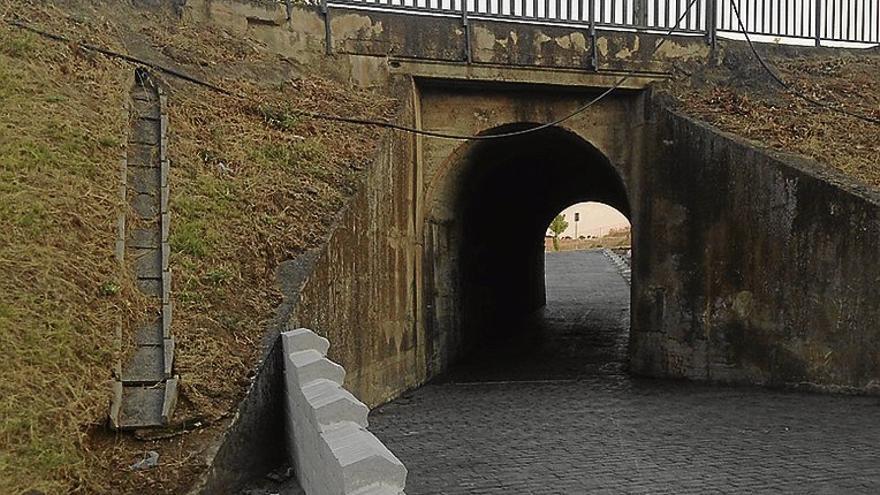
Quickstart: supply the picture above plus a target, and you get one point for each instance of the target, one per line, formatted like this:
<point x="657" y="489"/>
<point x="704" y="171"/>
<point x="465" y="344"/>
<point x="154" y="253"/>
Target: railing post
<point x="818" y="25"/>
<point x="711" y="22"/>
<point x="328" y="39"/>
<point x="467" y="31"/>
<point x="640" y="13"/>
<point x="594" y="58"/>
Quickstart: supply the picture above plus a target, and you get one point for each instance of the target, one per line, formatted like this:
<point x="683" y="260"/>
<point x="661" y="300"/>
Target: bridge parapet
<point x="370" y="44"/>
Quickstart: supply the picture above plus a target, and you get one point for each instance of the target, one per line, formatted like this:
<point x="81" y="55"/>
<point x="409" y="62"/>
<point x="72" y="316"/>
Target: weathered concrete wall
<point x="754" y="267"/>
<point x="359" y="295"/>
<point x="331" y="450"/>
<point x="362" y="42"/>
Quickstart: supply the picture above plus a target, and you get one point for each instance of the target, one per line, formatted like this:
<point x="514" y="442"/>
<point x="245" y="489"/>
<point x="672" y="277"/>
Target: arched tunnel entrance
<point x="485" y="260"/>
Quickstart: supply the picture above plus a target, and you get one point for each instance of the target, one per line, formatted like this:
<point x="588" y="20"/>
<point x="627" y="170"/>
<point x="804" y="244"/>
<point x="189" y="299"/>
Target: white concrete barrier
<point x="333" y="453"/>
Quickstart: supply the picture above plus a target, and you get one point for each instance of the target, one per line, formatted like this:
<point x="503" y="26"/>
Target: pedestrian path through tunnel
<point x="559" y="414"/>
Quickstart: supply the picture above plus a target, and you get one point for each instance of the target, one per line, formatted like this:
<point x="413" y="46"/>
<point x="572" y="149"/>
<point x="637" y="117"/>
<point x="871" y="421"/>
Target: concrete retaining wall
<point x="753" y="266"/>
<point x="331" y="450"/>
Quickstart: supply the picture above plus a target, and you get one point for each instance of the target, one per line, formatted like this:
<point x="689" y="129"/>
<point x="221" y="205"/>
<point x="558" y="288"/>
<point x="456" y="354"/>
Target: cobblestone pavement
<point x="562" y="417"/>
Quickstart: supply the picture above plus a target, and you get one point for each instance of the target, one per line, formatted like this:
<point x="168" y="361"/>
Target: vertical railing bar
<point x="767" y="17"/>
<point x="535" y="8"/>
<point x="817" y="25"/>
<point x="546" y="9"/>
<point x="784" y="27"/>
<point x="860" y="34"/>
<point x="760" y="17"/>
<point x="834" y="20"/>
<point x="467" y="31"/>
<point x="656" y="22"/>
<point x="801" y="17"/>
<point x="613" y="17"/>
<point x="594" y="57"/>
<point x="677" y="13"/>
<point x="779" y="11"/>
<point x="850" y="5"/>
<point x="804" y="25"/>
<point x="624" y="7"/>
<point x="877" y="25"/>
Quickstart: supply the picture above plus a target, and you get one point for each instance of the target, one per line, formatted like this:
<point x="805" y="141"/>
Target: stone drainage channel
<point x="560" y="415"/>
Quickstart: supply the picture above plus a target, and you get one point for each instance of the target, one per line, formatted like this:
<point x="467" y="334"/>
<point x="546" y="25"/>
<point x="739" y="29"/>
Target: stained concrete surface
<point x="556" y="413"/>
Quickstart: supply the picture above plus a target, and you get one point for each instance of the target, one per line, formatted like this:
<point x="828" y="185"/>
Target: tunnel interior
<point x="502" y="199"/>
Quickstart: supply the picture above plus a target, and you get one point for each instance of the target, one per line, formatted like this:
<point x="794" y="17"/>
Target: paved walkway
<point x="559" y="415"/>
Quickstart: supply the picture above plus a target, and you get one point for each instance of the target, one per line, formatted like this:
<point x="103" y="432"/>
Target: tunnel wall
<point x="754" y="267"/>
<point x="360" y="294"/>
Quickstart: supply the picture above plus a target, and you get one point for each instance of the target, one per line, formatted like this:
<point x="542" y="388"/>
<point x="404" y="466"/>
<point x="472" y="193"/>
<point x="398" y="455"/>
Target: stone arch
<point x="486" y="213"/>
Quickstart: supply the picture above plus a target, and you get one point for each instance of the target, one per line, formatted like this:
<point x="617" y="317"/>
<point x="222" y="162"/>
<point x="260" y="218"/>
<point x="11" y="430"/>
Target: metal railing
<point x="818" y="20"/>
<point x="821" y="21"/>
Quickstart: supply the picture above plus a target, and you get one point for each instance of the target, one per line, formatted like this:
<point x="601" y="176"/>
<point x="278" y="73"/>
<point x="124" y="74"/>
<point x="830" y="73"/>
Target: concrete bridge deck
<point x="559" y="415"/>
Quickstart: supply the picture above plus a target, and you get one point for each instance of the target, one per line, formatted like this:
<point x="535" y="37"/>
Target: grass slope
<point x="251" y="187"/>
<point x="738" y="96"/>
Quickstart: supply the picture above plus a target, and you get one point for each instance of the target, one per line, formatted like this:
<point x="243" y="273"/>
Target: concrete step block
<point x="311" y="365"/>
<point x="141" y="406"/>
<point x="301" y="339"/>
<point x="146" y="206"/>
<point x="363" y="460"/>
<point x="149" y="333"/>
<point x="148" y="237"/>
<point x="145" y="365"/>
<point x="333" y="404"/>
<point x="148" y="262"/>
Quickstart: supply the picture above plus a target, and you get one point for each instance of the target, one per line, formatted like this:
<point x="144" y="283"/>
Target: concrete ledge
<point x="332" y="451"/>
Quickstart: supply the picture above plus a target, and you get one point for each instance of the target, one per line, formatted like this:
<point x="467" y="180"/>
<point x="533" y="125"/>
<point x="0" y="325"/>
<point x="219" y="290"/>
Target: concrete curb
<point x="332" y="451"/>
<point x="621" y="264"/>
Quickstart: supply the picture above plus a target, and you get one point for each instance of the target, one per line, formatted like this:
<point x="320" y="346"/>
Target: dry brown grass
<point x="738" y="97"/>
<point x="251" y="187"/>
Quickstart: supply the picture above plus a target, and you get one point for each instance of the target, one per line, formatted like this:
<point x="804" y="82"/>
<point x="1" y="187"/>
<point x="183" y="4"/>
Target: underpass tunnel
<point x="504" y="197"/>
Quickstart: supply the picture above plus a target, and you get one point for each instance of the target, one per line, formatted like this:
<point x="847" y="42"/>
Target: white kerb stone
<point x="302" y="339"/>
<point x="364" y="460"/>
<point x="312" y="365"/>
<point x="333" y="404"/>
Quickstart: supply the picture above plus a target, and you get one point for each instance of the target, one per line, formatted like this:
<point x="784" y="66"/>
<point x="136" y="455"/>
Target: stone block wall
<point x="332" y="451"/>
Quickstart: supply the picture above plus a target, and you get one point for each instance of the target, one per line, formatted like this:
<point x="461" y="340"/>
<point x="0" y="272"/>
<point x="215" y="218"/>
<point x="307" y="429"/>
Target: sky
<point x="595" y="219"/>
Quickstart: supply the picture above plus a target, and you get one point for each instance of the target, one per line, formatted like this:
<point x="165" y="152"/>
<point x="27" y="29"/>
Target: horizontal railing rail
<point x="856" y="21"/>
